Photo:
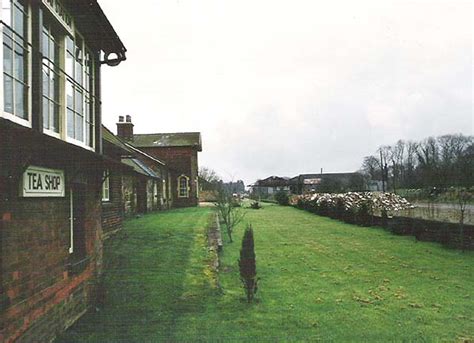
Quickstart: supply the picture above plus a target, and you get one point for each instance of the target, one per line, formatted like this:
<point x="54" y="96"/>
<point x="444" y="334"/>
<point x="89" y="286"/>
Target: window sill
<point x="79" y="143"/>
<point x="16" y="119"/>
<point x="52" y="133"/>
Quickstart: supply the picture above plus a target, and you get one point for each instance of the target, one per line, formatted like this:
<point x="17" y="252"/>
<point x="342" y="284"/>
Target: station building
<point x="178" y="150"/>
<point x="52" y="167"/>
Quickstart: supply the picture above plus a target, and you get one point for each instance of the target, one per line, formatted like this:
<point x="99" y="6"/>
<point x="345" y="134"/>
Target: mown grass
<point x="155" y="270"/>
<point x="320" y="280"/>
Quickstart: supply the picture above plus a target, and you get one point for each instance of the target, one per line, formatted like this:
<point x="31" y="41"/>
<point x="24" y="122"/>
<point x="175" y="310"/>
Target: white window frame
<point x="179" y="186"/>
<point x="60" y="90"/>
<point x="3" y="113"/>
<point x="106" y="186"/>
<point x="93" y="99"/>
<point x="71" y="30"/>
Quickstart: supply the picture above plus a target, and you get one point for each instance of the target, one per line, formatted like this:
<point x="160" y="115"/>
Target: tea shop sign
<point x="42" y="182"/>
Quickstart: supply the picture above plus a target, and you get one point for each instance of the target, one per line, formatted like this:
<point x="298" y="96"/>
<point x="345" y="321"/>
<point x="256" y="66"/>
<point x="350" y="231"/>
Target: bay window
<point x="67" y="72"/>
<point x="16" y="50"/>
<point x="51" y="77"/>
<point x="79" y="82"/>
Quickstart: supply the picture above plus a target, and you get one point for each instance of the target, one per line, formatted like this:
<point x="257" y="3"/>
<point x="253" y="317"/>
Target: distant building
<point x="307" y="183"/>
<point x="268" y="187"/>
<point x="179" y="151"/>
<point x="328" y="182"/>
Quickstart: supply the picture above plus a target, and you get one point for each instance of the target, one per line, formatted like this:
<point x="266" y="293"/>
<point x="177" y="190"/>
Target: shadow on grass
<point x="148" y="266"/>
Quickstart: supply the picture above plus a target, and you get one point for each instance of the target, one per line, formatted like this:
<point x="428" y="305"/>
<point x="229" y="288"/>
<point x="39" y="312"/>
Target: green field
<point x="320" y="280"/>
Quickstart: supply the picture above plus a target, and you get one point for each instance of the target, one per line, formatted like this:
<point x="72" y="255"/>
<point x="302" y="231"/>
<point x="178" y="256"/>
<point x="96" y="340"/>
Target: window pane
<point x="19" y="19"/>
<point x="55" y="118"/>
<point x="79" y="128"/>
<point x="6" y="12"/>
<point x="79" y="105"/>
<point x="88" y="134"/>
<point x="52" y="86"/>
<point x="69" y="44"/>
<point x="45" y="81"/>
<point x="69" y="65"/>
<point x="70" y="123"/>
<point x="20" y="108"/>
<point x="7" y="59"/>
<point x="79" y="73"/>
<point x="57" y="82"/>
<point x="19" y="66"/>
<point x="45" y="47"/>
<point x="70" y="94"/>
<point x="8" y="94"/>
<point x="45" y="113"/>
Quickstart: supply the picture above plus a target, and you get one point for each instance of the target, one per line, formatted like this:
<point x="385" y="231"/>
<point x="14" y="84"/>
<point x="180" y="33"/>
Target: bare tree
<point x="410" y="163"/>
<point x="209" y="178"/>
<point x="463" y="197"/>
<point x="230" y="210"/>
<point x="371" y="167"/>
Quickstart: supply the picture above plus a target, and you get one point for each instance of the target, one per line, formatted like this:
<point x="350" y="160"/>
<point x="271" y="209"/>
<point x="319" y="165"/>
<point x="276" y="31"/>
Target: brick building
<point x="51" y="166"/>
<point x="113" y="210"/>
<point x="134" y="183"/>
<point x="179" y="151"/>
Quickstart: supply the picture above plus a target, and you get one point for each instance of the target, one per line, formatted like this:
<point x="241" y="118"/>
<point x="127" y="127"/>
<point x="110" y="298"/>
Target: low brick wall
<point x="448" y="234"/>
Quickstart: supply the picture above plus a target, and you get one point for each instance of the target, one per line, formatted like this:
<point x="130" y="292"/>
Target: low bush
<point x="255" y="205"/>
<point x="282" y="198"/>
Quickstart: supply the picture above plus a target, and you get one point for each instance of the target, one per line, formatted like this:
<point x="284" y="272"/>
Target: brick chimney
<point x="125" y="128"/>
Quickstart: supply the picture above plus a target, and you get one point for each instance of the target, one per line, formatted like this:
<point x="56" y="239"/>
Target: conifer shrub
<point x="247" y="265"/>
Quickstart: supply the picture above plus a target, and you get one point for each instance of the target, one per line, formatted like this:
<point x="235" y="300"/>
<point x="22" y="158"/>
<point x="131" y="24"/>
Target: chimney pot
<point x="128" y="119"/>
<point x="120" y="119"/>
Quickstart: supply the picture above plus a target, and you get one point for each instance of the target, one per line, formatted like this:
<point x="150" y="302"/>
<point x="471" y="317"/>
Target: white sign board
<point x="42" y="182"/>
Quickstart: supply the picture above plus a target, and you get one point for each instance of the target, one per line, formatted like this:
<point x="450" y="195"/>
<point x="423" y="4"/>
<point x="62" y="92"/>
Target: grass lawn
<point x="320" y="280"/>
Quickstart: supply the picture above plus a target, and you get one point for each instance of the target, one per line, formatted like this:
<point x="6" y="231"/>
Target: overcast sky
<point x="288" y="87"/>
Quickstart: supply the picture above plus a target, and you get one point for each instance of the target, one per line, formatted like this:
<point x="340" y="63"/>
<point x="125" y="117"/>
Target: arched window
<point x="183" y="186"/>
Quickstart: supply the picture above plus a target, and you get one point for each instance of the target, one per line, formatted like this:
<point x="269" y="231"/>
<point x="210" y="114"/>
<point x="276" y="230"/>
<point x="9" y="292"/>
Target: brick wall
<point x="180" y="161"/>
<point x="112" y="210"/>
<point x="41" y="296"/>
<point x="129" y="195"/>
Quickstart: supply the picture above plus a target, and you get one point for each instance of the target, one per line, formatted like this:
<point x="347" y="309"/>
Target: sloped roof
<point x="272" y="181"/>
<point x="108" y="136"/>
<point x="140" y="167"/>
<point x="96" y="28"/>
<point x="176" y="139"/>
<point x="141" y="153"/>
<point x="327" y="175"/>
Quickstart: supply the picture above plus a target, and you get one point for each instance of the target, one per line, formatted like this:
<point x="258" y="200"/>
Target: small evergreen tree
<point x="282" y="198"/>
<point x="247" y="264"/>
